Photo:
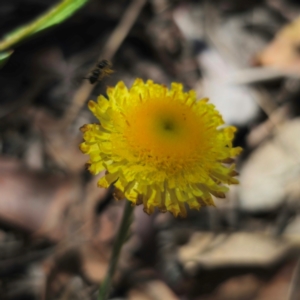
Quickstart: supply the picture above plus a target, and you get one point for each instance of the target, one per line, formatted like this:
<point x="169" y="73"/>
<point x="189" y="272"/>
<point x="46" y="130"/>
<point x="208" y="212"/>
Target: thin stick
<point x="120" y="239"/>
<point x="111" y="47"/>
<point x="293" y="291"/>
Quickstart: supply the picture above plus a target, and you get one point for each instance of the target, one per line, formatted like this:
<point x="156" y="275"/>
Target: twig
<point x="111" y="47"/>
<point x="293" y="292"/>
<point x="265" y="129"/>
<point x="259" y="74"/>
<point x="288" y="10"/>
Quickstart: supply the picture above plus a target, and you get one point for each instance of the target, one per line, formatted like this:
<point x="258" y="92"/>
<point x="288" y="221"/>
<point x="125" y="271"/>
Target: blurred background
<point x="57" y="228"/>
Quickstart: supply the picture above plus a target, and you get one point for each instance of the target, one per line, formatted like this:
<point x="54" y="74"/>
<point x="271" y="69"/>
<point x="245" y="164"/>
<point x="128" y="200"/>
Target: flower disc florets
<point x="160" y="147"/>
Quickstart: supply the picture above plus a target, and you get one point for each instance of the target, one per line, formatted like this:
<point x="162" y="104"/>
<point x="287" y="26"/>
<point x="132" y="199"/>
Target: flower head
<point x="160" y="147"/>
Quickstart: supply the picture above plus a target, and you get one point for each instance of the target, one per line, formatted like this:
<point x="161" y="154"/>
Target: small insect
<point x="103" y="69"/>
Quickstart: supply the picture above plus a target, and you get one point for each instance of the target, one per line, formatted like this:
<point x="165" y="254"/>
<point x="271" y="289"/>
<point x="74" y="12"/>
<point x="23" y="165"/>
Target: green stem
<point x="119" y="241"/>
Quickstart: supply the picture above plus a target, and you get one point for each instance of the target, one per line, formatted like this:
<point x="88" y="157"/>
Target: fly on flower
<point x="160" y="147"/>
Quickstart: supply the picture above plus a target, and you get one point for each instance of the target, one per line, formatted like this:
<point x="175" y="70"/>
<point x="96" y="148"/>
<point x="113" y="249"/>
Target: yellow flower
<point x="160" y="147"/>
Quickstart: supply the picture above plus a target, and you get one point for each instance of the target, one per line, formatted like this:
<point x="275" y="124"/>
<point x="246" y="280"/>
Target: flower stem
<point x="119" y="241"/>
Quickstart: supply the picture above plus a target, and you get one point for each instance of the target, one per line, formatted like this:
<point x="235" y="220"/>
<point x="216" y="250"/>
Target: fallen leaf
<point x="284" y="51"/>
<point x="210" y="251"/>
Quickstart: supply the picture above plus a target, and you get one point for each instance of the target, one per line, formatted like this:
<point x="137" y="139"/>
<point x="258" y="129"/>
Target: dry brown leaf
<point x="209" y="251"/>
<point x="95" y="262"/>
<point x="30" y="199"/>
<point x="152" y="290"/>
<point x="52" y="205"/>
<point x="284" y="51"/>
<point x="278" y="287"/>
<point x="237" y="288"/>
<point x="268" y="174"/>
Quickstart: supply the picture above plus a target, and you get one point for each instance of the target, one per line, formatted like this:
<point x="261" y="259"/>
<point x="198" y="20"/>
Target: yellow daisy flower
<point x="160" y="147"/>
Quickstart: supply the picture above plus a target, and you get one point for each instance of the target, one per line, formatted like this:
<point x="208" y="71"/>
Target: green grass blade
<point x="55" y="15"/>
<point x="4" y="56"/>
